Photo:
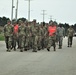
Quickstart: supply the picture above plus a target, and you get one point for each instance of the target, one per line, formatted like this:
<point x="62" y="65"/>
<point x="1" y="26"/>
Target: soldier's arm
<point x="67" y="32"/>
<point x="64" y="32"/>
<point x="4" y="29"/>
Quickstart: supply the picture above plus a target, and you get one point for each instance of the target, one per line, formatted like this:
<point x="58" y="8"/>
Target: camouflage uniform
<point x="28" y="36"/>
<point x="39" y="31"/>
<point x="8" y="31"/>
<point x="15" y="34"/>
<point x="18" y="39"/>
<point x="61" y="34"/>
<point x="34" y="31"/>
<point x="70" y="33"/>
<point x="51" y="39"/>
<point x="21" y="34"/>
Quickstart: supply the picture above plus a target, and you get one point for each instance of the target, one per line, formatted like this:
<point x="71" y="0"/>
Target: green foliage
<point x="3" y="20"/>
<point x="1" y="37"/>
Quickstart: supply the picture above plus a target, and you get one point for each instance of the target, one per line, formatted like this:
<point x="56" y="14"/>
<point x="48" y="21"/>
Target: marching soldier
<point x="70" y="33"/>
<point x="15" y="34"/>
<point x="61" y="34"/>
<point x="8" y="31"/>
<point x="34" y="32"/>
<point x="18" y="40"/>
<point x="21" y="34"/>
<point x="39" y="36"/>
<point x="28" y="36"/>
<point x="51" y="36"/>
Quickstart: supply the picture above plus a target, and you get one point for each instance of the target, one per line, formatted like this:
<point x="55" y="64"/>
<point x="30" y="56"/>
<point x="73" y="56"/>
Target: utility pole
<point x="16" y="14"/>
<point x="28" y="9"/>
<point x="43" y="14"/>
<point x="12" y="10"/>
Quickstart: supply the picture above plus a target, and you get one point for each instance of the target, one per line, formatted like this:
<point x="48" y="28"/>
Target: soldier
<point x="61" y="34"/>
<point x="34" y="32"/>
<point x="21" y="34"/>
<point x="28" y="36"/>
<point x="39" y="36"/>
<point x="70" y="33"/>
<point x="8" y="31"/>
<point x="51" y="36"/>
<point x="19" y="24"/>
<point x="15" y="34"/>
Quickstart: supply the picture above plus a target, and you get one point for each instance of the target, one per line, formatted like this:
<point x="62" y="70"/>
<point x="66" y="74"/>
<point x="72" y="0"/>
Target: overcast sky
<point x="60" y="10"/>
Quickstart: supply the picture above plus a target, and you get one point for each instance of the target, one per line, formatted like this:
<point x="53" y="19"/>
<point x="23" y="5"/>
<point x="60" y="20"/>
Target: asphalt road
<point x="61" y="62"/>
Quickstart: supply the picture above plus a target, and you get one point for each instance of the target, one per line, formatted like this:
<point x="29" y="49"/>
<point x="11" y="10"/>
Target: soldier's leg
<point x="26" y="44"/>
<point x="35" y="44"/>
<point x="22" y="43"/>
<point x="39" y="42"/>
<point x="6" y="41"/>
<point x="49" y="43"/>
<point x="14" y="42"/>
<point x="10" y="43"/>
<point x="54" y="45"/>
<point x="18" y="42"/>
<point x="71" y="39"/>
<point x="68" y="41"/>
<point x="60" y="42"/>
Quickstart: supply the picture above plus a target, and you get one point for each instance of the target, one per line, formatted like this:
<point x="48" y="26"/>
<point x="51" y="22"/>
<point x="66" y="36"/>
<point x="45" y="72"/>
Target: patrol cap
<point x="51" y="23"/>
<point x="34" y="20"/>
<point x="8" y="21"/>
<point x="14" y="22"/>
<point x="20" y="21"/>
<point x="26" y="21"/>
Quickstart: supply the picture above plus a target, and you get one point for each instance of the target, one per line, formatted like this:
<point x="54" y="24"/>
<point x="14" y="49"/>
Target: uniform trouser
<point x="22" y="41"/>
<point x="27" y="42"/>
<point x="70" y="39"/>
<point x="35" y="42"/>
<point x="39" y="42"/>
<point x="57" y="40"/>
<point x="18" y="41"/>
<point x="45" y="42"/>
<point x="8" y="40"/>
<point x="60" y="41"/>
<point x="51" y="41"/>
<point x="14" y="41"/>
<point x="42" y="42"/>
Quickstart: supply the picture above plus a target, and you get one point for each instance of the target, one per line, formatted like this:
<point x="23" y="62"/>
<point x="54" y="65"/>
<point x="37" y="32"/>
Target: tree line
<point x="3" y="21"/>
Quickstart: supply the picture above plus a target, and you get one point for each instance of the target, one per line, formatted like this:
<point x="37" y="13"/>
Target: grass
<point x="1" y="37"/>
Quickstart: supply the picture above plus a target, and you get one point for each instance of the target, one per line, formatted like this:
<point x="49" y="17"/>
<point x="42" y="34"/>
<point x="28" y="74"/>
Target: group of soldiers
<point x="32" y="35"/>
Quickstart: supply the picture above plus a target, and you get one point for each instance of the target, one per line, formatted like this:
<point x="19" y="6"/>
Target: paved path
<point x="61" y="62"/>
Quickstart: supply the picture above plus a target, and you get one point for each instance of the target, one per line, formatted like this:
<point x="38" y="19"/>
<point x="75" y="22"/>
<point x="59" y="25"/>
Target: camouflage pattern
<point x="18" y="41"/>
<point x="61" y="34"/>
<point x="70" y="33"/>
<point x="51" y="40"/>
<point x="21" y="34"/>
<point x="34" y="32"/>
<point x="15" y="34"/>
<point x="39" y="37"/>
<point x="8" y="31"/>
<point x="28" y="36"/>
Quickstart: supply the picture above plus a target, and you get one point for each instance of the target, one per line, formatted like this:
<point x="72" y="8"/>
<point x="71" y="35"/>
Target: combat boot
<point x="7" y="50"/>
<point x="34" y="50"/>
<point x="60" y="47"/>
<point x="21" y="50"/>
<point x="48" y="49"/>
<point x="14" y="49"/>
<point x="54" y="48"/>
